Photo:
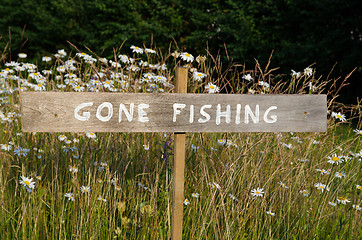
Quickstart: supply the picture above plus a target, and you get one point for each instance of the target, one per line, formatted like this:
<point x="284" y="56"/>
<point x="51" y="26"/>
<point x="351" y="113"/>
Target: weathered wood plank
<point x="176" y="112"/>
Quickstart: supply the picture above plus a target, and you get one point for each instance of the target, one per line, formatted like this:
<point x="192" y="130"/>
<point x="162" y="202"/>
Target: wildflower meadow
<point x="119" y="185"/>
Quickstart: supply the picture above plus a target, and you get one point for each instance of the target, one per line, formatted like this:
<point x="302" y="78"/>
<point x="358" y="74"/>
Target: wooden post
<point x="179" y="165"/>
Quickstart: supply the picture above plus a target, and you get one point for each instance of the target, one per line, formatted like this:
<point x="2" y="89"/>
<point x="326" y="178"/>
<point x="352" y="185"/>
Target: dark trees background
<point x="300" y="32"/>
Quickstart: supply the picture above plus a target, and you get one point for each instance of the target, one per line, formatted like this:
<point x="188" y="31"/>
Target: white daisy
<point x="22" y="55"/>
<point x="100" y="198"/>
<point x="85" y="189"/>
<point x="62" y="137"/>
<point x="149" y="50"/>
<point x="340" y="174"/>
<point x="46" y="59"/>
<point x="62" y="53"/>
<point x="308" y="71"/>
<point x="334" y="159"/>
<point x="187" y="57"/>
<point x="358" y="132"/>
<point x="221" y="142"/>
<point x="91" y="135"/>
<point x="342" y="200"/>
<point x="323" y="171"/>
<point x="247" y="77"/>
<point x="198" y="76"/>
<point x="270" y="213"/>
<point x="357" y="207"/>
<point x="212" y="88"/>
<point x="215" y="185"/>
<point x="304" y="192"/>
<point x="321" y="186"/>
<point x="257" y="192"/>
<point x="136" y="49"/>
<point x="295" y="74"/>
<point x="282" y="184"/>
<point x="73" y="169"/>
<point x="6" y="147"/>
<point x="339" y="116"/>
<point x="27" y="182"/>
<point x="195" y="195"/>
<point x="69" y="196"/>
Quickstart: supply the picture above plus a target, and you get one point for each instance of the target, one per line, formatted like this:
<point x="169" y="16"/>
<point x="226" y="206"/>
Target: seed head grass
<point x="119" y="185"/>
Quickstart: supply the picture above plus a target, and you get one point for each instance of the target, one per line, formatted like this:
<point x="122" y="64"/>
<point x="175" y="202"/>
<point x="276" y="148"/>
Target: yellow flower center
<point x="322" y="187"/>
<point x="341" y="198"/>
<point x="212" y="87"/>
<point x="257" y="192"/>
<point x="335" y="159"/>
<point x="27" y="182"/>
<point x="187" y="55"/>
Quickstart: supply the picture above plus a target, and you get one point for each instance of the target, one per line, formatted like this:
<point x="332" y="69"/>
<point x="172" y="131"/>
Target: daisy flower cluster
<point x="87" y="73"/>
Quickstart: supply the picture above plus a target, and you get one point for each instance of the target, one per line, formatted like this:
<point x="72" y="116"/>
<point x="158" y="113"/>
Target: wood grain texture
<point x="54" y="112"/>
<point x="178" y="175"/>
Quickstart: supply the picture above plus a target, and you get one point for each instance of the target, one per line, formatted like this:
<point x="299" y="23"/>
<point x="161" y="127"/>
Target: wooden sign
<point x="171" y="112"/>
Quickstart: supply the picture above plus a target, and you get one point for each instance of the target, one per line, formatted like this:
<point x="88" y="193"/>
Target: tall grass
<point x="129" y="174"/>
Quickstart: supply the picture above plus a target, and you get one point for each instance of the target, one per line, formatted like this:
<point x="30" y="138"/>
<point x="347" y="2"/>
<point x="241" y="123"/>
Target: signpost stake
<point x="179" y="165"/>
